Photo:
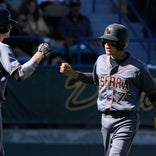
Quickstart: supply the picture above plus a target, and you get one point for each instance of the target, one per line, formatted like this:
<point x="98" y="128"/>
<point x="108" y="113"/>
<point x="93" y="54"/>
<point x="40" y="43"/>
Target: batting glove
<point x="45" y="49"/>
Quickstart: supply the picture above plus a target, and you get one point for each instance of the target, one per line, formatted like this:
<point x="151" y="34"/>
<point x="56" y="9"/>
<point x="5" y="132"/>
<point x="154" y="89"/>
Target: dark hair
<point x="24" y="8"/>
<point x="5" y="17"/>
<point x="5" y="20"/>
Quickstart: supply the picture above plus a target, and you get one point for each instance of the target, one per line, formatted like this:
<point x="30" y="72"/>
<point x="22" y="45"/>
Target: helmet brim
<point x="108" y="37"/>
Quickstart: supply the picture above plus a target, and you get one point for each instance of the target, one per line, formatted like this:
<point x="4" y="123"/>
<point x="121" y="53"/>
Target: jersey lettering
<point x="112" y="81"/>
<point x="117" y="84"/>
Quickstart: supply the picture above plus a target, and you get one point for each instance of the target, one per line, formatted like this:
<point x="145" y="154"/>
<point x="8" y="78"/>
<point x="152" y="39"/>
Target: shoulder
<point x="4" y="46"/>
<point x="102" y="57"/>
<point x="5" y="49"/>
<point x="136" y="62"/>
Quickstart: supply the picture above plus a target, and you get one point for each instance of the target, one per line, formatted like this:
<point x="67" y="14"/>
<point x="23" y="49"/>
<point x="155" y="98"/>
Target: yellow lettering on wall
<point x="74" y="102"/>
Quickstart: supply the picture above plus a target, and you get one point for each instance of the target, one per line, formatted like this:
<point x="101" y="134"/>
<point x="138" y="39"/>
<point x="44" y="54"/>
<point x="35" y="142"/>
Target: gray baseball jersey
<point x="120" y="86"/>
<point x="10" y="66"/>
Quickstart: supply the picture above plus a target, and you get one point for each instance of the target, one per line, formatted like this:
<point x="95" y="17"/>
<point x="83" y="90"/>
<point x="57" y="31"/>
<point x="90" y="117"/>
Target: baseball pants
<point x="118" y="132"/>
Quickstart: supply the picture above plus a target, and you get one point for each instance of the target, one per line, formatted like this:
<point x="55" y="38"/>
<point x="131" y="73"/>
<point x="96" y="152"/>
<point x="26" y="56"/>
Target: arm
<point x="67" y="70"/>
<point x="26" y="70"/>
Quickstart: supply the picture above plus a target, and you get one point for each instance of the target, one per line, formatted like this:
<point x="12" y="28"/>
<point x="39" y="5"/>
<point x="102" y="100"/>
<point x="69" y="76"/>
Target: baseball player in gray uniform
<point x="8" y="63"/>
<point x="120" y="78"/>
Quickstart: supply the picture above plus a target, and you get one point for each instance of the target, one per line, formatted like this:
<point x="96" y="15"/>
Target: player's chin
<point x="108" y="52"/>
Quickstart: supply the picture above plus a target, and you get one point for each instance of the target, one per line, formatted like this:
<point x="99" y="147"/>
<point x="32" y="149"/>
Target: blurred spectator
<point x="125" y="9"/>
<point x="19" y="45"/>
<point x="124" y="6"/>
<point x="138" y="5"/>
<point x="53" y="10"/>
<point x="35" y="24"/>
<point x="73" y="26"/>
<point x="4" y="4"/>
<point x="20" y="27"/>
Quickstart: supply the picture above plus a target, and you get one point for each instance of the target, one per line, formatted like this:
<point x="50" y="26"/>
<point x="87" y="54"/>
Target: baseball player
<point x="8" y="63"/>
<point x="120" y="78"/>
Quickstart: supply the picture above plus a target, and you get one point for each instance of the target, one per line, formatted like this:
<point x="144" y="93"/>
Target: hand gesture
<point x="45" y="49"/>
<point x="67" y="70"/>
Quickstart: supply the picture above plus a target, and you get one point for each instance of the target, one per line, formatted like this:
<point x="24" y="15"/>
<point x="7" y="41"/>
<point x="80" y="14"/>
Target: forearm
<point x="25" y="70"/>
<point x="81" y="76"/>
<point x="67" y="70"/>
<point x="85" y="77"/>
<point x="38" y="56"/>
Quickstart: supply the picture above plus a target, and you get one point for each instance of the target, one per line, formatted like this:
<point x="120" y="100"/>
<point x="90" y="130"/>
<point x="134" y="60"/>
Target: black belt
<point x="112" y="112"/>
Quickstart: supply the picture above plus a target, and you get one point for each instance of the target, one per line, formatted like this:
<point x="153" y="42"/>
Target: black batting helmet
<point x="5" y="20"/>
<point x="118" y="33"/>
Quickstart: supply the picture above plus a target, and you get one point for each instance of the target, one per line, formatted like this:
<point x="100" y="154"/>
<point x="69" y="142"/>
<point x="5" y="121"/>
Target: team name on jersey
<point x="113" y="81"/>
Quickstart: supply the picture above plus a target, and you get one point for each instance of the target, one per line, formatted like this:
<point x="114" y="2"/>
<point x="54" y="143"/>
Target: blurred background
<point x="52" y="115"/>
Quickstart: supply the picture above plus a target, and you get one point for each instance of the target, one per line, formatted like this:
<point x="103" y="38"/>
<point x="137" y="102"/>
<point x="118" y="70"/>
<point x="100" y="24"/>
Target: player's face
<point x="110" y="47"/>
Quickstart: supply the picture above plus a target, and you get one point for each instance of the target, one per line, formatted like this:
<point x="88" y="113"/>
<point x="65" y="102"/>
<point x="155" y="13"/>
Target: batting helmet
<point x="118" y="33"/>
<point x="5" y="20"/>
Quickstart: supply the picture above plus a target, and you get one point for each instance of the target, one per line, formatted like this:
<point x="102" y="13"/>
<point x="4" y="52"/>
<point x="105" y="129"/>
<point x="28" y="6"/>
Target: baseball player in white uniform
<point x="120" y="78"/>
<point x="9" y="65"/>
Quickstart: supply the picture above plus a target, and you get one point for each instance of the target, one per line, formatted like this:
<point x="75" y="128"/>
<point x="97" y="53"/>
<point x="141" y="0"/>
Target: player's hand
<point x="45" y="49"/>
<point x="67" y="70"/>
